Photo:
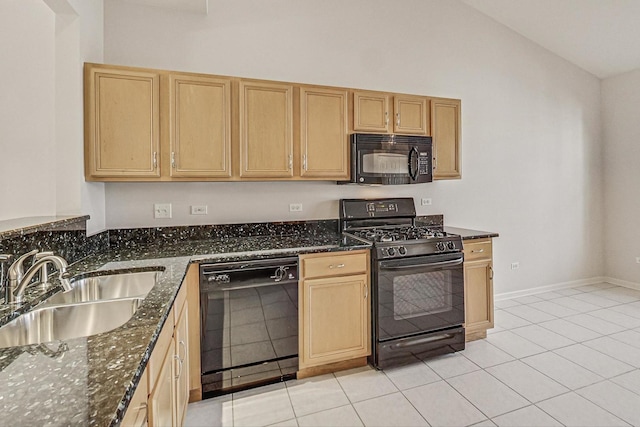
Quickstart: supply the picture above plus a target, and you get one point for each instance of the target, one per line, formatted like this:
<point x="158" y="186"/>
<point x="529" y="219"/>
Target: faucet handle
<point x="16" y="270"/>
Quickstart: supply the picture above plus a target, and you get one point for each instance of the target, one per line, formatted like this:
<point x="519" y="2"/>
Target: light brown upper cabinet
<point x="156" y="125"/>
<point x="445" y="122"/>
<point x="373" y="112"/>
<point x="324" y="141"/>
<point x="200" y="126"/>
<point x="266" y="130"/>
<point x="122" y="122"/>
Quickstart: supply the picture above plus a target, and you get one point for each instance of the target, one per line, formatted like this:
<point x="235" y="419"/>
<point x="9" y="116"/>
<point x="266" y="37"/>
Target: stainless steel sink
<point x="60" y="322"/>
<point x="95" y="288"/>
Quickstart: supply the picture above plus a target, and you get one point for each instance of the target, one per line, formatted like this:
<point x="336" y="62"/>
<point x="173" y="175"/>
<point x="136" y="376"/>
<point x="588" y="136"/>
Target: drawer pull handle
<point x="491" y="273"/>
<point x="477" y="251"/>
<point x="366" y="291"/>
<point x="336" y="266"/>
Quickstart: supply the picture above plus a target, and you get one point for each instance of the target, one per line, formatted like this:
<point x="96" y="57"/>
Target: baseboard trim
<point x="563" y="285"/>
<point x="619" y="282"/>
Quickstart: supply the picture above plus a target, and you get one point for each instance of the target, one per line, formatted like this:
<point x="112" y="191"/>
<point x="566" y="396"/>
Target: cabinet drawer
<point x="332" y="264"/>
<point x="477" y="249"/>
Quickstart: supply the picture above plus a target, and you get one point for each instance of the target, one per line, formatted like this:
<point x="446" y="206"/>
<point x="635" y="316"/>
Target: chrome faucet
<point x="19" y="279"/>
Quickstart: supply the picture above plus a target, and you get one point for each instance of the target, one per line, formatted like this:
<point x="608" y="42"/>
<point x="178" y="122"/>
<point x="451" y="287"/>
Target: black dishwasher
<point x="249" y="323"/>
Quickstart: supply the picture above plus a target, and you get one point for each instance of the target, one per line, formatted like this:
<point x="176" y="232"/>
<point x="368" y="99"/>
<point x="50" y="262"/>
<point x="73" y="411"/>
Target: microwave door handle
<point x="413" y="173"/>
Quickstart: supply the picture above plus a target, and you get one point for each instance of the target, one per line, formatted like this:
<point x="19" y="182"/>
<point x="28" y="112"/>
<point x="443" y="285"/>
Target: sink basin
<point x="95" y="288"/>
<point x="60" y="322"/>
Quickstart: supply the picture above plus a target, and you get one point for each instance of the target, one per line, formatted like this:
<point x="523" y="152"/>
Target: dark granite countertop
<point x="20" y="226"/>
<point x="468" y="234"/>
<point x="89" y="381"/>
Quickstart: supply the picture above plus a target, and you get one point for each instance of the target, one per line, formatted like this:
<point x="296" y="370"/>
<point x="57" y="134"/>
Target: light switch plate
<point x="199" y="210"/>
<point x="162" y="210"/>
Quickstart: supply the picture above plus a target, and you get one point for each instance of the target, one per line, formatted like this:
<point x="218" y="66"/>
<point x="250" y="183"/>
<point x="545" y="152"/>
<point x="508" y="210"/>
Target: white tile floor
<point x="568" y="357"/>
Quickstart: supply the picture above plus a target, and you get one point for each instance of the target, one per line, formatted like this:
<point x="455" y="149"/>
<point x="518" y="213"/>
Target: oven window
<point x="384" y="162"/>
<point x="417" y="295"/>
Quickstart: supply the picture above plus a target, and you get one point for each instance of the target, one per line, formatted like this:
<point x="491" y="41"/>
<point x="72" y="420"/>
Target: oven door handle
<point x="411" y="343"/>
<point x="432" y="264"/>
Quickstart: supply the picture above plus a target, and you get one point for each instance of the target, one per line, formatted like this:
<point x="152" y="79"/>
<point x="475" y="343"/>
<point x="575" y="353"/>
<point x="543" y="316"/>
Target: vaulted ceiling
<point x="600" y="36"/>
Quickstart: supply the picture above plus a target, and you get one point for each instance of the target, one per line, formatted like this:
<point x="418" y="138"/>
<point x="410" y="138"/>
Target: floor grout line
<point x="538" y="341"/>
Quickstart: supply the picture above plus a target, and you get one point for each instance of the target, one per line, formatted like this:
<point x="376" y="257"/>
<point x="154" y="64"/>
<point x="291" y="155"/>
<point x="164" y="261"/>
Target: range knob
<point x="391" y="251"/>
<point x="451" y="245"/>
<point x="402" y="250"/>
<point x="440" y="246"/>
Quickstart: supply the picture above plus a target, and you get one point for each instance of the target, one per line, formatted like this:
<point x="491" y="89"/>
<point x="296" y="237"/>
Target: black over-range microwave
<point x="390" y="159"/>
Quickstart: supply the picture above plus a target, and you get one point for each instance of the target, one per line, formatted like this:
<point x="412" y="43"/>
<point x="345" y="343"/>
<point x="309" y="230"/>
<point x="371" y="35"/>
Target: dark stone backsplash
<point x="70" y="241"/>
<point x="141" y="236"/>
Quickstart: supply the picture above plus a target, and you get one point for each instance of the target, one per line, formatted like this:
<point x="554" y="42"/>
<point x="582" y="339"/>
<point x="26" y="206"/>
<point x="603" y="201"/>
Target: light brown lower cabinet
<point x="165" y="386"/>
<point x="478" y="288"/>
<point x="161" y="399"/>
<point x="334" y="315"/>
<point x="136" y="415"/>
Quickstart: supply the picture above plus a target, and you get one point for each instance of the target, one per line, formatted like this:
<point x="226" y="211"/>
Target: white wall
<point x="44" y="44"/>
<point x="621" y="124"/>
<point x="531" y="121"/>
<point x="27" y="120"/>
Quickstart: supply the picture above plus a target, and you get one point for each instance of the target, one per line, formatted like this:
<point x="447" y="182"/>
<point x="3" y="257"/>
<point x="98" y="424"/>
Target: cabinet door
<point x="200" y="126"/>
<point x="445" y="123"/>
<point x="122" y="125"/>
<point x="182" y="359"/>
<point x="410" y="115"/>
<point x="266" y="130"/>
<point x="161" y="399"/>
<point x="323" y="133"/>
<point x="371" y="112"/>
<point x="478" y="288"/>
<point x="335" y="320"/>
<point x="136" y="415"/>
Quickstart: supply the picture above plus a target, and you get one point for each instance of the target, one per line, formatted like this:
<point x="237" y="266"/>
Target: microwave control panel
<point x="423" y="164"/>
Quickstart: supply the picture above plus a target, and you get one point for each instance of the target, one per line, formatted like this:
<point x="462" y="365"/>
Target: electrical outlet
<point x="199" y="210"/>
<point x="425" y="202"/>
<point x="638" y="260"/>
<point x="515" y="265"/>
<point x="162" y="210"/>
<point x="295" y="207"/>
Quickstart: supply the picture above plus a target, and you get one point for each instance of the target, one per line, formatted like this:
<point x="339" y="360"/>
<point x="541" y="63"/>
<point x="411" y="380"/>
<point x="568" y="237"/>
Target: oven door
<point x="419" y="294"/>
<point x="403" y="160"/>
